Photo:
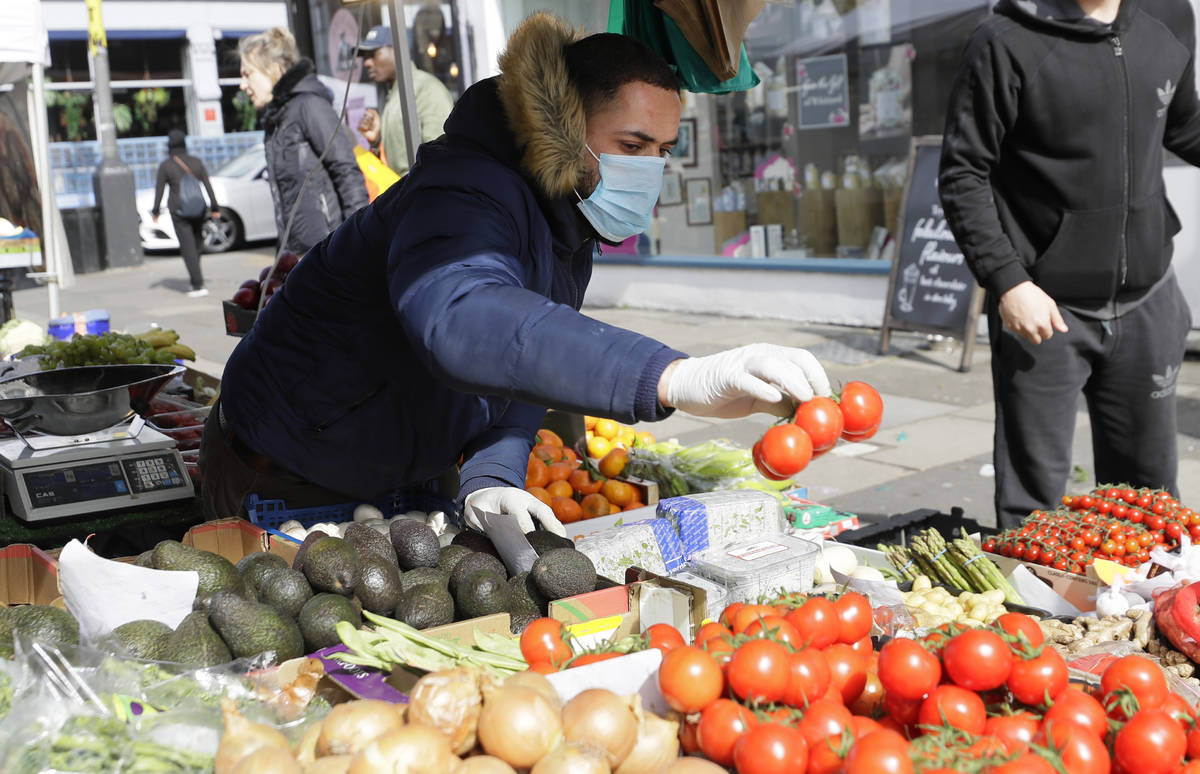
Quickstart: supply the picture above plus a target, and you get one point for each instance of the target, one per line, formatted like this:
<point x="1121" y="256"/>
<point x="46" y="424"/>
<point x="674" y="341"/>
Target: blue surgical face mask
<point x="623" y="202"/>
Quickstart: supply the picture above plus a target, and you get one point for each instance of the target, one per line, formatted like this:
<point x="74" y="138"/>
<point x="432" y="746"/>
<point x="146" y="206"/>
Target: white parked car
<point x="244" y="196"/>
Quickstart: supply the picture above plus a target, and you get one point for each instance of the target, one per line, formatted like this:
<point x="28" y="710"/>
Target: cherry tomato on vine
<point x="1015" y="732"/>
<point x="817" y="622"/>
<point x="1140" y="675"/>
<point x="1076" y="707"/>
<point x="542" y="642"/>
<point x="808" y="678"/>
<point x="759" y="671"/>
<point x="1152" y="742"/>
<point x="1037" y="680"/>
<point x="949" y="705"/>
<point x="771" y="748"/>
<point x="907" y="670"/>
<point x="785" y="450"/>
<point x="880" y="752"/>
<point x="690" y="679"/>
<point x="854" y="616"/>
<point x="978" y="659"/>
<point x="663" y="636"/>
<point x="722" y="724"/>
<point x="862" y="410"/>
<point x="822" y="419"/>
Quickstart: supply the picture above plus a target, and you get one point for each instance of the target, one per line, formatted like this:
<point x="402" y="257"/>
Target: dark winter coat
<point x="440" y="320"/>
<point x="298" y="122"/>
<point x="1053" y="150"/>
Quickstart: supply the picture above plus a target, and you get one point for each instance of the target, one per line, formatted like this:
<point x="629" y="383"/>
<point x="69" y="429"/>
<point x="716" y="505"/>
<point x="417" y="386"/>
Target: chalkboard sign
<point x="822" y="92"/>
<point x="931" y="288"/>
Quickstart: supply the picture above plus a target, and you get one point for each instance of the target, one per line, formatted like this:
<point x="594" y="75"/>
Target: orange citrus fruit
<point x="560" y="489"/>
<point x="606" y="428"/>
<point x="594" y="505"/>
<point x="566" y="510"/>
<point x="618" y="493"/>
<point x="540" y="493"/>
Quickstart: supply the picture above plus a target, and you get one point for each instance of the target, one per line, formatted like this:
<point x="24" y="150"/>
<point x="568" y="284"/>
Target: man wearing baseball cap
<point x="385" y="132"/>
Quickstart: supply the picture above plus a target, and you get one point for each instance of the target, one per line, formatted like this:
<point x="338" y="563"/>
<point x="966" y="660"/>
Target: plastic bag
<point x="704" y="467"/>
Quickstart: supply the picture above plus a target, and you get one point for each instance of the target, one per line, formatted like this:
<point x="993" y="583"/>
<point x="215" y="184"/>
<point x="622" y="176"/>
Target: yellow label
<point x="1106" y="571"/>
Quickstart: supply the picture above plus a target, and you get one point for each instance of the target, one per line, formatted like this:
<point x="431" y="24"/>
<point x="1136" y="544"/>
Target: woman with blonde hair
<point x="298" y="118"/>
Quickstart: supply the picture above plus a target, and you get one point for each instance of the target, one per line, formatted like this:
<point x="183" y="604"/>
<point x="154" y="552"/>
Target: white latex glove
<point x="510" y="501"/>
<point x="739" y="382"/>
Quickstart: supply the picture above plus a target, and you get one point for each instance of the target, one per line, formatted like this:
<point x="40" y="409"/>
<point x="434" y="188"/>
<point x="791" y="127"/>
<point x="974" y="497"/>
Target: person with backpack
<point x="184" y="174"/>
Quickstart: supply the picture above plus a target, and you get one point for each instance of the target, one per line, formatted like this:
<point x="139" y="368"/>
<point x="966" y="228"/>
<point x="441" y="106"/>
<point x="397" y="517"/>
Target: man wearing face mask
<point x="439" y="323"/>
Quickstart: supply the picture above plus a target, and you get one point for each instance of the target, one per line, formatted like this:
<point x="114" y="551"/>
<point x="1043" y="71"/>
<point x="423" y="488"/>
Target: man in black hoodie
<point x="1051" y="179"/>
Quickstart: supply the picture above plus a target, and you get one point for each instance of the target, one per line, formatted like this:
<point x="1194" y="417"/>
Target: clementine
<point x="566" y="510"/>
<point x="560" y="488"/>
<point x="594" y="505"/>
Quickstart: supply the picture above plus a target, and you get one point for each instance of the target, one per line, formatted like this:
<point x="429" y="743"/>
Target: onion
<point x="448" y="700"/>
<point x="689" y="765"/>
<point x="410" y="750"/>
<point x="349" y="727"/>
<point x="601" y="718"/>
<point x="657" y="743"/>
<point x="367" y="512"/>
<point x="537" y="682"/>
<point x="484" y="764"/>
<point x="268" y="760"/>
<point x="333" y="764"/>
<point x="241" y="738"/>
<point x="572" y="758"/>
<point x="306" y="748"/>
<point x="518" y="726"/>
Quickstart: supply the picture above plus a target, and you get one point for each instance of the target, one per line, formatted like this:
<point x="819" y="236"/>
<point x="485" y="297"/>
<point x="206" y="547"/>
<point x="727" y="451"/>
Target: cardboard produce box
<point x="28" y="576"/>
<point x="235" y="538"/>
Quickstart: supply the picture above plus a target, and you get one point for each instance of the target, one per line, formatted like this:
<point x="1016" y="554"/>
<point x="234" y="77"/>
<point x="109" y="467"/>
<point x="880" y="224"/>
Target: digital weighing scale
<point x="78" y="448"/>
<point x="82" y="475"/>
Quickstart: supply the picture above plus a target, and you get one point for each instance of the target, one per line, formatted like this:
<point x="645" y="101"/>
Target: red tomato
<point x="1029" y="763"/>
<point x="1150" y="743"/>
<point x="854" y="617"/>
<point x="824" y="719"/>
<point x="759" y="671"/>
<point x="721" y="725"/>
<point x="1138" y="674"/>
<point x="663" y="636"/>
<point x="729" y="612"/>
<point x="903" y="711"/>
<point x="1082" y="751"/>
<point x="817" y="622"/>
<point x="821" y="418"/>
<point x="1075" y="706"/>
<point x="978" y="660"/>
<point x="592" y="658"/>
<point x="865" y="648"/>
<point x="542" y="641"/>
<point x="870" y="699"/>
<point x="772" y="627"/>
<point x="689" y="679"/>
<point x="1018" y="623"/>
<point x="688" y="743"/>
<point x="827" y="756"/>
<point x="907" y="670"/>
<point x="1193" y="743"/>
<point x="1035" y="681"/>
<point x="861" y="725"/>
<point x="771" y="748"/>
<point x="882" y="752"/>
<point x="710" y="630"/>
<point x="763" y="469"/>
<point x="956" y="707"/>
<point x="862" y="410"/>
<point x="847" y="671"/>
<point x="808" y="678"/>
<point x="786" y="449"/>
<point x="1015" y="732"/>
<point x="748" y="614"/>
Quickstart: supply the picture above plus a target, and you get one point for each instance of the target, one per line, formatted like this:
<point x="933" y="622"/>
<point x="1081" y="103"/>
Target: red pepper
<point x="1185" y="608"/>
<point x="1177" y="613"/>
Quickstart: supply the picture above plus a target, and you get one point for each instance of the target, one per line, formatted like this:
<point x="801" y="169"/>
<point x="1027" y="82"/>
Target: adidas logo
<point x="1165" y="382"/>
<point x="1165" y="95"/>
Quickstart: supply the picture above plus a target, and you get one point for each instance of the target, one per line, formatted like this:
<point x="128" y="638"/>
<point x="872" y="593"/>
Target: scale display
<point x="97" y="481"/>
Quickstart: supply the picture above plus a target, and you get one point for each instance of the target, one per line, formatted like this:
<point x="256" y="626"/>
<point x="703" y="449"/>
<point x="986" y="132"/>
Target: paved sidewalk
<point x="933" y="450"/>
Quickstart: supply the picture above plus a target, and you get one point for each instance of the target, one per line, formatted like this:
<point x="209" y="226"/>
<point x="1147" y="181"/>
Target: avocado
<point x="483" y="592"/>
<point x="285" y="590"/>
<point x="415" y="543"/>
<point x="450" y="556"/>
<point x="43" y="622"/>
<point x="195" y="643"/>
<point x="142" y="639"/>
<point x="544" y="540"/>
<point x="517" y="622"/>
<point x="331" y="564"/>
<point x="216" y="572"/>
<point x="145" y="559"/>
<point x="563" y="572"/>
<point x="469" y="564"/>
<point x="250" y="628"/>
<point x="476" y="541"/>
<point x="309" y="539"/>
<point x="426" y="606"/>
<point x="257" y="566"/>
<point x="379" y="588"/>
<point x="319" y="619"/>
<point x="421" y="575"/>
<point x="369" y="543"/>
<point x="524" y="596"/>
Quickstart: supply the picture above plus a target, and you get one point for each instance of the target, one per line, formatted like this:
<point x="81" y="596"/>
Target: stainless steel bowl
<point x="72" y="401"/>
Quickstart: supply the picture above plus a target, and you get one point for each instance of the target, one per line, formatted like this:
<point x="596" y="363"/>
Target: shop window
<point x="132" y="60"/>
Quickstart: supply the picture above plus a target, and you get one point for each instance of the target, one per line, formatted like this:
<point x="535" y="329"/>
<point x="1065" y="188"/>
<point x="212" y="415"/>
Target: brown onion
<point x="333" y="764"/>
<point x="657" y="743"/>
<point x="306" y="748"/>
<point x="241" y="738"/>
<point x="535" y="681"/>
<point x="268" y="760"/>
<point x="573" y="758"/>
<point x="690" y="765"/>
<point x="484" y="764"/>
<point x="518" y="726"/>
<point x="600" y="718"/>
<point x="349" y="727"/>
<point x="413" y="749"/>
<point x="450" y="701"/>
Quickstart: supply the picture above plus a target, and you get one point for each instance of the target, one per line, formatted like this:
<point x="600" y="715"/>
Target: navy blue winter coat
<point x="440" y="320"/>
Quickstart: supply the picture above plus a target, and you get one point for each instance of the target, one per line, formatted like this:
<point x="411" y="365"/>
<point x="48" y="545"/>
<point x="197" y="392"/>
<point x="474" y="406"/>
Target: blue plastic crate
<point x="271" y="514"/>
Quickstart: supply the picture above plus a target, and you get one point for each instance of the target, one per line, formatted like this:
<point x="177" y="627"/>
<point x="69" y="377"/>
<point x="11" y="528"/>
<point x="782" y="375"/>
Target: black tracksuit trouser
<point x="1125" y="368"/>
<point x="190" y="232"/>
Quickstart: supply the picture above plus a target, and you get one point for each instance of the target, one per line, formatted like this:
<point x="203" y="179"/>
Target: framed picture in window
<point x="699" y="201"/>
<point x="685" y="150"/>
<point x="672" y="190"/>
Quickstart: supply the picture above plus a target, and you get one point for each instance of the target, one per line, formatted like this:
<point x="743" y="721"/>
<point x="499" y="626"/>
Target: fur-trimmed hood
<point x="542" y="107"/>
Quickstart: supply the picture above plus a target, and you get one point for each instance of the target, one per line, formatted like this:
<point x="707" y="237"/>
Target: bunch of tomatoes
<point x="787" y="448"/>
<point x="1118" y="523"/>
<point x="797" y="688"/>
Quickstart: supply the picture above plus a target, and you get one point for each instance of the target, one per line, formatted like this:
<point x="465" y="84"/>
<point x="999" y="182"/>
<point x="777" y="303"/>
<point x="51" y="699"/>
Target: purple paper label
<point x="363" y="682"/>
